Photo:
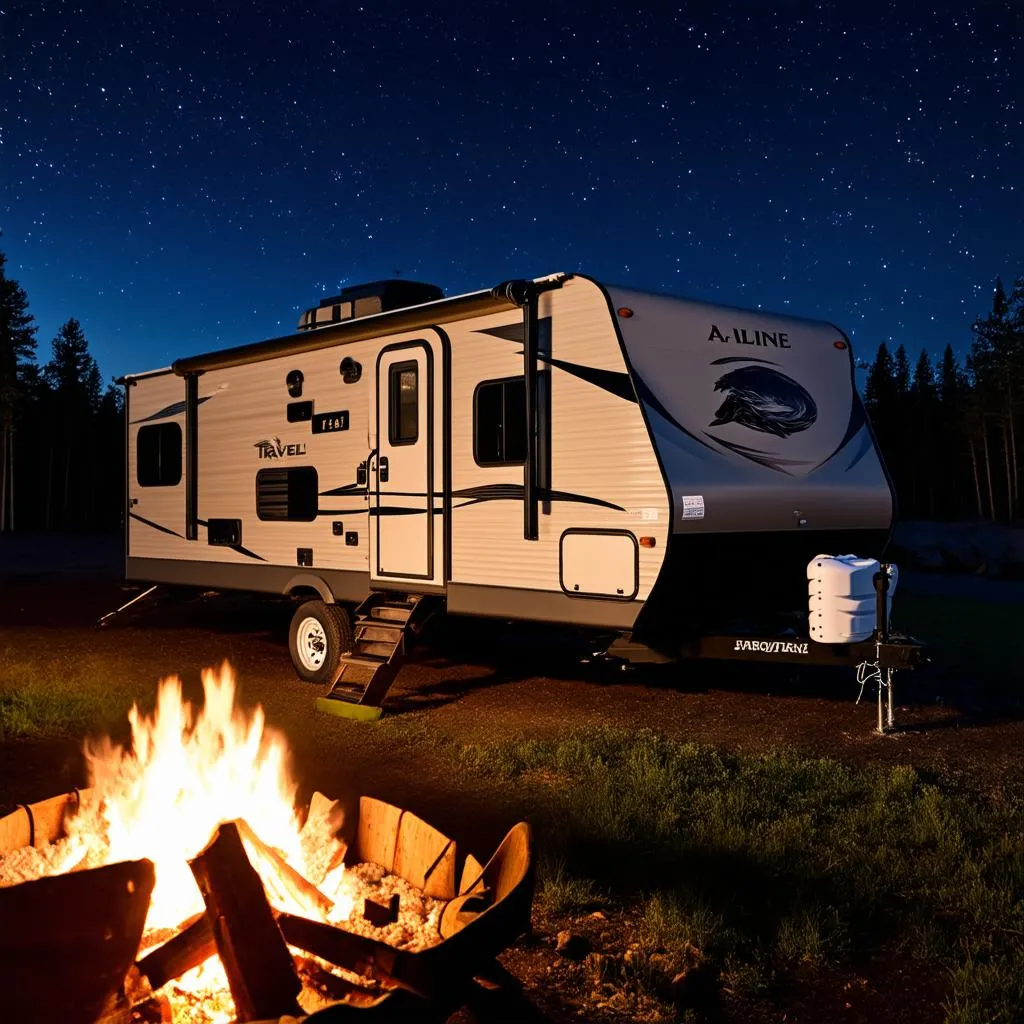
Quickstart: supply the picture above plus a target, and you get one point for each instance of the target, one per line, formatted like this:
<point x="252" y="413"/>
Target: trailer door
<point x="402" y="480"/>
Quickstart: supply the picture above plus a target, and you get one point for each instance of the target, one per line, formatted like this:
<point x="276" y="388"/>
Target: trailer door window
<point x="158" y="455"/>
<point x="403" y="403"/>
<point x="499" y="422"/>
<point x="287" y="494"/>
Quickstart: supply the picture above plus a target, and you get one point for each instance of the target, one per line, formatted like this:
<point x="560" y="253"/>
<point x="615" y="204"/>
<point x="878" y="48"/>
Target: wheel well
<point x="306" y="585"/>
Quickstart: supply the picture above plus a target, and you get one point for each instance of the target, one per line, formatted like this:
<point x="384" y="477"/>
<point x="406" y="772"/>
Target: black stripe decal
<point x="509" y="332"/>
<point x="347" y="489"/>
<point x="245" y="551"/>
<point x="741" y="359"/>
<point x="612" y="381"/>
<point x="156" y="526"/>
<point x="175" y="409"/>
<point x="474" y="495"/>
<point x="648" y="397"/>
<point x="235" y="547"/>
<point x="514" y="492"/>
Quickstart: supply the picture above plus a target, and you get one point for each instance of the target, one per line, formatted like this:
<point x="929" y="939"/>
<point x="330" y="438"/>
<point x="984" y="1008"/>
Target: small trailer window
<point x="403" y="402"/>
<point x="499" y="422"/>
<point x="287" y="494"/>
<point x="158" y="455"/>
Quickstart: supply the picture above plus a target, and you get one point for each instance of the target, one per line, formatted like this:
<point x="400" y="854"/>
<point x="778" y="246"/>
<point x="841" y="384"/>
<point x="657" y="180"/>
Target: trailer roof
<point x="458" y="307"/>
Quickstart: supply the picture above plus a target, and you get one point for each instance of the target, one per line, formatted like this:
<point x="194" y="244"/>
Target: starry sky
<point x="182" y="179"/>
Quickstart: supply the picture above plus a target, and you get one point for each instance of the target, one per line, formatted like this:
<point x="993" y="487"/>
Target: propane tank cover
<point x="841" y="597"/>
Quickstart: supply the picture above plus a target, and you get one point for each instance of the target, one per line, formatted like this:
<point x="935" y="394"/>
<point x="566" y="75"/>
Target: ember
<point x="207" y="798"/>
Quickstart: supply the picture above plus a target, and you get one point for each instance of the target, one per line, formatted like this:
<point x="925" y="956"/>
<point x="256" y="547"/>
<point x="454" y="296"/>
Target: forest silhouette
<point x="948" y="432"/>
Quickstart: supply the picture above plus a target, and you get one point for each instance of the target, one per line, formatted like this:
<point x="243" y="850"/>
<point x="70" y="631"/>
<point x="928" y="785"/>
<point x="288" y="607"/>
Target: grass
<point x="776" y="859"/>
<point x="974" y="635"/>
<point x="37" y="702"/>
<point x="762" y="866"/>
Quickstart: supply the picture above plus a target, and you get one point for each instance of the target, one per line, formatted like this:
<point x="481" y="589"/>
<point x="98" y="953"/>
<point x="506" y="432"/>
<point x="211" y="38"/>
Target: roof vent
<point x="366" y="299"/>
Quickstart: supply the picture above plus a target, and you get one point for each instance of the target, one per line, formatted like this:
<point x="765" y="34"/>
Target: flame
<point x="163" y="798"/>
<point x="183" y="776"/>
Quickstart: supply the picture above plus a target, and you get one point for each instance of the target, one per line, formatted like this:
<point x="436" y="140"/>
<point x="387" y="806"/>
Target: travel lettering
<point x="274" y="448"/>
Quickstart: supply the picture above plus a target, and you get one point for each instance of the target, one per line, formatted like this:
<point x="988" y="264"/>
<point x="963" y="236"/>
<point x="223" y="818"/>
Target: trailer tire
<point x="320" y="633"/>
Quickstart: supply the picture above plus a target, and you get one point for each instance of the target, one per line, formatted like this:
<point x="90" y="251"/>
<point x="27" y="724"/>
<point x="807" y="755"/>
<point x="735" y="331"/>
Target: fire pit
<point x="184" y="885"/>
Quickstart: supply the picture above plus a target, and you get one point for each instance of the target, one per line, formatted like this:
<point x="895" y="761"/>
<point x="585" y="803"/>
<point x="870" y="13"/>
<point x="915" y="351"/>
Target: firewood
<point x="189" y="948"/>
<point x="280" y="873"/>
<point x="260" y="970"/>
<point x="357" y="953"/>
<point x="66" y="941"/>
<point x="322" y="849"/>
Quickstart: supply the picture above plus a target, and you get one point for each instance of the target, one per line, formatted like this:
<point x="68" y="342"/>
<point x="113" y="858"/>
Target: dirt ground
<point x="492" y="679"/>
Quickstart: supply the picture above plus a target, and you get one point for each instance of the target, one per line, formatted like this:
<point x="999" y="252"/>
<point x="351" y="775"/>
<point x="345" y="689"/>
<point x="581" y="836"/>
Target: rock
<point x="571" y="946"/>
<point x="696" y="986"/>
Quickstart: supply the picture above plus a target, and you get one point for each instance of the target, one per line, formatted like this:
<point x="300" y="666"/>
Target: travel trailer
<point x="553" y="449"/>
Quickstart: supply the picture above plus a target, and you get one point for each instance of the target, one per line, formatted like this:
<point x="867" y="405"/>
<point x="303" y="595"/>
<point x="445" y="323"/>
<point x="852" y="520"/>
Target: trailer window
<point x="403" y="403"/>
<point x="158" y="455"/>
<point x="287" y="494"/>
<point x="499" y="422"/>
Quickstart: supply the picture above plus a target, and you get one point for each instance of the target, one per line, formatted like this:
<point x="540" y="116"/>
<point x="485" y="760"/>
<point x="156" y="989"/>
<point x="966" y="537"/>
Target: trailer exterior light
<point x="647" y="542"/>
<point x="625" y="312"/>
<point x="841" y="345"/>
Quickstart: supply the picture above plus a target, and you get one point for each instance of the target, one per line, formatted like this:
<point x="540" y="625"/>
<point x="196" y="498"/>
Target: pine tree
<point x="901" y="371"/>
<point x="73" y="380"/>
<point x="996" y="363"/>
<point x="924" y="410"/>
<point x="923" y="382"/>
<point x="878" y="388"/>
<point x="951" y="381"/>
<point x="17" y="361"/>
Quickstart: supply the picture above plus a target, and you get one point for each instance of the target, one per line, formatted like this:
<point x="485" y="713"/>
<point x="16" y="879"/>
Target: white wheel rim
<point x="311" y="644"/>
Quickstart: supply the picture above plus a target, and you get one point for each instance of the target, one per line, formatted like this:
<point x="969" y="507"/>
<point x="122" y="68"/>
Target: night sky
<point x="182" y="180"/>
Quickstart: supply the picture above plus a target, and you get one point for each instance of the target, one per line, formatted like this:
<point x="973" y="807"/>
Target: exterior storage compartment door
<point x="600" y="563"/>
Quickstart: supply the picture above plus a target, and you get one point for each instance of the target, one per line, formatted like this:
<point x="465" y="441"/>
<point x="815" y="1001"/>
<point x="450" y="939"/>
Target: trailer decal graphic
<point x="777" y="339"/>
<point x="764" y="400"/>
<point x="514" y="492"/>
<point x="345" y="489"/>
<point x="234" y="547"/>
<point x="156" y="526"/>
<point x="613" y="381"/>
<point x="276" y="449"/>
<point x="473" y="496"/>
<point x="771" y="646"/>
<point x="176" y="409"/>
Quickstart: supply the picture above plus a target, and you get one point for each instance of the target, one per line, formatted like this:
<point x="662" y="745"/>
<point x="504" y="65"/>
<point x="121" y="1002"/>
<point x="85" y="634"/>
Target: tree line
<point x="61" y="432"/>
<point x="948" y="432"/>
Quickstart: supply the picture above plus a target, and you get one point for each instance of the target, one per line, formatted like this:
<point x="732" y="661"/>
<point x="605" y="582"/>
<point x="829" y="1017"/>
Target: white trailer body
<point x="676" y="452"/>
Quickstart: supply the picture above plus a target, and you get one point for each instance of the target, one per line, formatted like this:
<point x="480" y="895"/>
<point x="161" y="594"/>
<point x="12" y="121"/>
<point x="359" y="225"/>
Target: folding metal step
<point x="391" y="613"/>
<point x="383" y="624"/>
<point x="385" y="632"/>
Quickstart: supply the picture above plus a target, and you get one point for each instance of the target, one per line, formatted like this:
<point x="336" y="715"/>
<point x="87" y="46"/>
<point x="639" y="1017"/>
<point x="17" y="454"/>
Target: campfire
<point x="232" y="903"/>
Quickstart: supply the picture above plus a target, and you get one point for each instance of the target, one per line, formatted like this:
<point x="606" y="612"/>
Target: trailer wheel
<point x="319" y="635"/>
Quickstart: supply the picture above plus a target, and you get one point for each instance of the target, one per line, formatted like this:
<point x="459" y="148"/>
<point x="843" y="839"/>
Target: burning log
<point x="366" y="957"/>
<point x="68" y="940"/>
<point x="260" y="970"/>
<point x="187" y="949"/>
<point x="281" y="875"/>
